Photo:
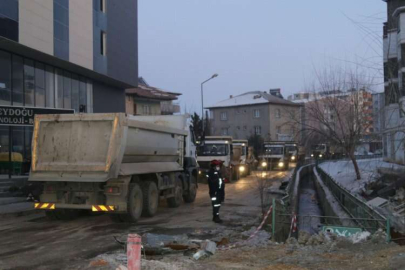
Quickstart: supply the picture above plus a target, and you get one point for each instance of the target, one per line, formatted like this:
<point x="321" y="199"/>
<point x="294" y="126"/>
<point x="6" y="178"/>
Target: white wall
<point x="81" y="32"/>
<point x="36" y="24"/>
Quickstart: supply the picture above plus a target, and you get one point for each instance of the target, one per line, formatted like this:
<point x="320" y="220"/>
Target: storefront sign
<point x="24" y="116"/>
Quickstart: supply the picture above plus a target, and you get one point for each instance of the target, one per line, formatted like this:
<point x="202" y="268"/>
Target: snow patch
<point x="359" y="237"/>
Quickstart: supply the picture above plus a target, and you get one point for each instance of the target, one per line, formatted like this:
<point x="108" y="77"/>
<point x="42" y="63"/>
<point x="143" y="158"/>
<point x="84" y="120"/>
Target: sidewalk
<point x="15" y="207"/>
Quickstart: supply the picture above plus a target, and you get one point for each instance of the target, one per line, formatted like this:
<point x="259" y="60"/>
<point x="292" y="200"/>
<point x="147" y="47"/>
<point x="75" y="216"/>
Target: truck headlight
<point x="320" y="156"/>
<point x="281" y="164"/>
<point x="312" y="155"/>
<point x="242" y="168"/>
<point x="264" y="164"/>
<point x="293" y="158"/>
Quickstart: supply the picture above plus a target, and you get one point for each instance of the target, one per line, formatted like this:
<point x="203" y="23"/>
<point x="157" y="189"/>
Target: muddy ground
<point x="38" y="243"/>
<point x="88" y="242"/>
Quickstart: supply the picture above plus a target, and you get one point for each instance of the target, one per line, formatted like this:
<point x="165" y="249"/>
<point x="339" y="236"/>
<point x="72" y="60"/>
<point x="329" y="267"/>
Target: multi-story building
<point x="260" y="113"/>
<point x="394" y="81"/>
<point x="378" y="112"/>
<point x="148" y="100"/>
<point x="61" y="56"/>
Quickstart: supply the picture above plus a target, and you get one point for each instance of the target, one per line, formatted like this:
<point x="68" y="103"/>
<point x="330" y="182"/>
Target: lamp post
<point x="202" y="100"/>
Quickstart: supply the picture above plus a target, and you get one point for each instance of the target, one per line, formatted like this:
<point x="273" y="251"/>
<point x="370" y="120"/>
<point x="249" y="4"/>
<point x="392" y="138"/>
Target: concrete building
<point x="378" y="113"/>
<point x="255" y="112"/>
<point x="394" y="81"/>
<point x="148" y="100"/>
<point x="61" y="56"/>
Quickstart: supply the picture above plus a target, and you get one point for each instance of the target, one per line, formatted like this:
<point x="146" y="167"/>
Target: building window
<point x="50" y="87"/>
<point x="18" y="81"/>
<point x="5" y="78"/>
<point x="67" y="90"/>
<point x="278" y="113"/>
<point x="237" y="111"/>
<point x="258" y="130"/>
<point x="61" y="28"/>
<point x="59" y="88"/>
<point x="9" y="19"/>
<point x="103" y="43"/>
<point x="224" y="116"/>
<point x="29" y="83"/>
<point x="225" y="132"/>
<point x="39" y="85"/>
<point x="256" y="113"/>
<point x="278" y="130"/>
<point x="238" y="127"/>
<point x="135" y="108"/>
<point x="102" y="6"/>
<point x="146" y="110"/>
<point x="75" y="93"/>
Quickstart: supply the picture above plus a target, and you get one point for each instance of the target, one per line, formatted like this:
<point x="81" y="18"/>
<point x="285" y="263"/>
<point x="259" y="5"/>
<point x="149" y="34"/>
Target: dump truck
<point x="291" y="149"/>
<point x="240" y="158"/>
<point x="216" y="148"/>
<point x="114" y="163"/>
<point x="274" y="156"/>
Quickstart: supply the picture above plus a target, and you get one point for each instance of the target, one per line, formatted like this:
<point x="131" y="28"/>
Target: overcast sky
<point x="251" y="44"/>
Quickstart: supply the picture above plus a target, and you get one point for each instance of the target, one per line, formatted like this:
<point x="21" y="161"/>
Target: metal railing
<point x="365" y="216"/>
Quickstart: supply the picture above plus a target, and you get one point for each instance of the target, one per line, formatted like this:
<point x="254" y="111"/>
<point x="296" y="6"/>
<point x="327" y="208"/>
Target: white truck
<point x="275" y="156"/>
<point x="240" y="158"/>
<point x="216" y="148"/>
<point x="114" y="163"/>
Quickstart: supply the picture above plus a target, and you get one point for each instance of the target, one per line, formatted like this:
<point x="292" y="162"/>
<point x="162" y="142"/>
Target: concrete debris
<point x="359" y="237"/>
<point x="379" y="237"/>
<point x="209" y="246"/>
<point x="303" y="237"/>
<point x="292" y="241"/>
<point x="200" y="254"/>
<point x="97" y="263"/>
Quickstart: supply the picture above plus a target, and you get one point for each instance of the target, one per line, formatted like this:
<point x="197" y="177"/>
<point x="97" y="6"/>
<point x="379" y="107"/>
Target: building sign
<point x="24" y="116"/>
<point x="341" y="231"/>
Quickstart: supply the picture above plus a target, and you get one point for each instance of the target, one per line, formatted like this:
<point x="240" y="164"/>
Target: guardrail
<point x="365" y="216"/>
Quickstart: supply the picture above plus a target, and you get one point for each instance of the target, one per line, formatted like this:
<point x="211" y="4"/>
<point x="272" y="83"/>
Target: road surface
<point x="44" y="244"/>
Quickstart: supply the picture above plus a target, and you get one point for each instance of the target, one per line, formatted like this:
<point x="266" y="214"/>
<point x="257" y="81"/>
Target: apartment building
<point x="394" y="81"/>
<point x="255" y="113"/>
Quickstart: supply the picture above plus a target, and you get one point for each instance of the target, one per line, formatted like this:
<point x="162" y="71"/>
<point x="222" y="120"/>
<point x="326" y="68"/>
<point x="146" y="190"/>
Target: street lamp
<point x="202" y="100"/>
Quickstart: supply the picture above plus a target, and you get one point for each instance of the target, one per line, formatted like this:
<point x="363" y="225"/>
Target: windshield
<point x="291" y="149"/>
<point x="319" y="147"/>
<point x="274" y="150"/>
<point x="213" y="150"/>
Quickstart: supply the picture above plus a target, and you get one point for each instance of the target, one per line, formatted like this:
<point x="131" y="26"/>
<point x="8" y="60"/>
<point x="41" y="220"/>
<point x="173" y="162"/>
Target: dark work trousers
<point x="216" y="204"/>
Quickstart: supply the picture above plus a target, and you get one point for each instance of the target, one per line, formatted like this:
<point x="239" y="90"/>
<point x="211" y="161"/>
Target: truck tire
<point x="150" y="198"/>
<point x="134" y="204"/>
<point x="192" y="193"/>
<point x="175" y="201"/>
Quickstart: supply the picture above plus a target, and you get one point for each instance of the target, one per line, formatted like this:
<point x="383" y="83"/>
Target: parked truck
<point x="274" y="156"/>
<point x="114" y="163"/>
<point x="240" y="158"/>
<point x="216" y="148"/>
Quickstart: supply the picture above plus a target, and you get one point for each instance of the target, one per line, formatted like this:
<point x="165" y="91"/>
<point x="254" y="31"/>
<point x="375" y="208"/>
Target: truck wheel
<point x="175" y="201"/>
<point x="134" y="204"/>
<point x="150" y="198"/>
<point x="192" y="193"/>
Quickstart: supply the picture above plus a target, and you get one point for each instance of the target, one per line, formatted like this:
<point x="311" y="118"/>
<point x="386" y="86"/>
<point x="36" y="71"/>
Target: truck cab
<point x="240" y="157"/>
<point x="291" y="149"/>
<point x="274" y="156"/>
<point x="320" y="151"/>
<point x="215" y="148"/>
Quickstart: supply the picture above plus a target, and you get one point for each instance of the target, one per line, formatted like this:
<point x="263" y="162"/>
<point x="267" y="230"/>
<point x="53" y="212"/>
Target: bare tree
<point x="337" y="113"/>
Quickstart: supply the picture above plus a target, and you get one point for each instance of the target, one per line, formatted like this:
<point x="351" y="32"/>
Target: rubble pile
<point x="322" y="238"/>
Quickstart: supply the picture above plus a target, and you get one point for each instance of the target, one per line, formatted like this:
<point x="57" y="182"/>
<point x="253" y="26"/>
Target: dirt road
<point x="44" y="244"/>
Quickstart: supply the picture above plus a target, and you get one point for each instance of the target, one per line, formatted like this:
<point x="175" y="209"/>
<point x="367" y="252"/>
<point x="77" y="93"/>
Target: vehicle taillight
<point x="112" y="190"/>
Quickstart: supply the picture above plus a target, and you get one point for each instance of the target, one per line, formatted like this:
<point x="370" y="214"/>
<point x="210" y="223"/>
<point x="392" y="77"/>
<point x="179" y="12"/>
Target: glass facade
<point x="9" y="19"/>
<point x="25" y="82"/>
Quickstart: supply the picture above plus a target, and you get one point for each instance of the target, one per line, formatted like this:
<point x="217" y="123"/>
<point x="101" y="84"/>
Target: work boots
<point x="216" y="219"/>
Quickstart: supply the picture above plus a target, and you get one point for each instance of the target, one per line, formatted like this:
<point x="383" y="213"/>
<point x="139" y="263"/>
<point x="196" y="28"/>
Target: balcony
<point x="169" y="108"/>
